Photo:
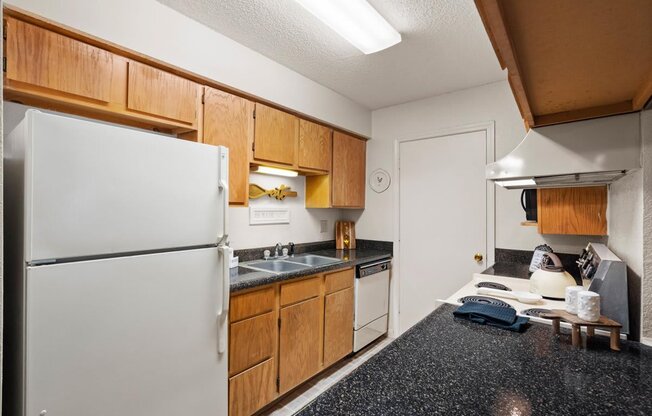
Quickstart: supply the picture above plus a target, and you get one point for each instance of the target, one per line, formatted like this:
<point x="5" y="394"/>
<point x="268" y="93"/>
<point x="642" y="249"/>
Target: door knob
<point x="478" y="257"/>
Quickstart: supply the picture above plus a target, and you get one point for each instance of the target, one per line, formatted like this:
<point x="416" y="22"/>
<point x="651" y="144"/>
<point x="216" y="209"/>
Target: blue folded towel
<point x="497" y="316"/>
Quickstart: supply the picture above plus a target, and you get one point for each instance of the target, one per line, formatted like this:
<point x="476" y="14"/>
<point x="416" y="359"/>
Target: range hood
<point x="582" y="153"/>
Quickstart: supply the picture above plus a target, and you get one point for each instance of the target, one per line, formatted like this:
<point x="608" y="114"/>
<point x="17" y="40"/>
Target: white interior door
<point x="444" y="209"/>
<point x="129" y="336"/>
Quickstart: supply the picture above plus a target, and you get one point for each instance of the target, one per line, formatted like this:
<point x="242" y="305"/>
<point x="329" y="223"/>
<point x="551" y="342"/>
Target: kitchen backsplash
<point x="504" y="255"/>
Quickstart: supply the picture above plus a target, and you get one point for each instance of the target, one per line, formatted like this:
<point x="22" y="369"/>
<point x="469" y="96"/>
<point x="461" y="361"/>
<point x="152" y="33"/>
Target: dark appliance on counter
<point x="529" y="204"/>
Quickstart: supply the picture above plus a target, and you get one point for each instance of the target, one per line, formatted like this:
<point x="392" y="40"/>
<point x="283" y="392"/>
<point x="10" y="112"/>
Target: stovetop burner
<point x="493" y="285"/>
<point x="486" y="300"/>
<point x="536" y="312"/>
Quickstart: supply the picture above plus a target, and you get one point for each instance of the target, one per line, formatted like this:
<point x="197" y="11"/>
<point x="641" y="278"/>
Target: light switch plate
<point x="268" y="215"/>
<point x="323" y="224"/>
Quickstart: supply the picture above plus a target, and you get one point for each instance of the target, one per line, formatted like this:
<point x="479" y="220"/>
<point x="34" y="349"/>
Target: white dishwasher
<point x="371" y="302"/>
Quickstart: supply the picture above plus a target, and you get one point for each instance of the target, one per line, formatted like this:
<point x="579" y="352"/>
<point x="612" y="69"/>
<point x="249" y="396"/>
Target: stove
<point x="469" y="292"/>
<point x="493" y="285"/>
<point x="485" y="300"/>
<point x="536" y="312"/>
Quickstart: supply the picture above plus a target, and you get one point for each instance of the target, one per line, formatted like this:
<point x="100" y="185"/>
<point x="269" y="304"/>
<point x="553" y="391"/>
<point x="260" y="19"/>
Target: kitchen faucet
<point x="278" y="249"/>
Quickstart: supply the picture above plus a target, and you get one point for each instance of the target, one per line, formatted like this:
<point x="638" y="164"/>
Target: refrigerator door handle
<point x="223" y="186"/>
<point x="223" y="302"/>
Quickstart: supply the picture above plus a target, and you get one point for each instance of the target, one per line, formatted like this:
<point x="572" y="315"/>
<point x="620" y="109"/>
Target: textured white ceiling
<point x="444" y="47"/>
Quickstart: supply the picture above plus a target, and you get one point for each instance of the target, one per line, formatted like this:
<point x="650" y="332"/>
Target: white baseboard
<point x="646" y="341"/>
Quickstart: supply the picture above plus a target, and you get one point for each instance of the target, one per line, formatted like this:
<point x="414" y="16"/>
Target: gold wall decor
<point x="256" y="191"/>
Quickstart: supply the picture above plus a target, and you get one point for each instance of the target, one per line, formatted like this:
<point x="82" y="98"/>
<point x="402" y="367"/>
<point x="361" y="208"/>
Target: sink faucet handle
<point x="291" y="248"/>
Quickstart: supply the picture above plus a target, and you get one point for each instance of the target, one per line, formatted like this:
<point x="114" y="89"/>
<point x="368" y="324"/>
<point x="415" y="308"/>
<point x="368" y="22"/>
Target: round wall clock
<point x="379" y="180"/>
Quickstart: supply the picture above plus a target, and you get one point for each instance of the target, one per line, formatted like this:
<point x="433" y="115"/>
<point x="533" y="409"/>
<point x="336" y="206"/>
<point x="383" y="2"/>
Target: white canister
<point x="588" y="306"/>
<point x="571" y="298"/>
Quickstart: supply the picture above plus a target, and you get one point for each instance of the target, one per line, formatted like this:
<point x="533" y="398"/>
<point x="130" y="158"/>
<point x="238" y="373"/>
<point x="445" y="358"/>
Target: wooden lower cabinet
<point x="338" y="326"/>
<point x="299" y="343"/>
<point x="285" y="333"/>
<point x="251" y="390"/>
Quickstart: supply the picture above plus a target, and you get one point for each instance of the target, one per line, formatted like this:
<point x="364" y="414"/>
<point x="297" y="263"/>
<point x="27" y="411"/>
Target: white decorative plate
<point x="379" y="180"/>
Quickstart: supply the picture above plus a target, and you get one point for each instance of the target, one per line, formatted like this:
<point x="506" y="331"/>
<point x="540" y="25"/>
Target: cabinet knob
<point x="478" y="257"/>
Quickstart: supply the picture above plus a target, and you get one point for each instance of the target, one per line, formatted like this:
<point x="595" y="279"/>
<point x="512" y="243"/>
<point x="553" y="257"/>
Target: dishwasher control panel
<point x="373" y="268"/>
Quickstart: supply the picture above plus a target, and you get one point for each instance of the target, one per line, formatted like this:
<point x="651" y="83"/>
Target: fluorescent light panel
<point x="267" y="170"/>
<point x="356" y="21"/>
<point x="516" y="182"/>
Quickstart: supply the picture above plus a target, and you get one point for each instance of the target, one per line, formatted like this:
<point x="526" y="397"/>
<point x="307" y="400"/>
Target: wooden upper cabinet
<point x="276" y="136"/>
<point x="577" y="211"/>
<point x="338" y="326"/>
<point x="315" y="146"/>
<point x="162" y="94"/>
<point x="566" y="61"/>
<point x="348" y="174"/>
<point x="299" y="340"/>
<point x="228" y="121"/>
<point x="41" y="58"/>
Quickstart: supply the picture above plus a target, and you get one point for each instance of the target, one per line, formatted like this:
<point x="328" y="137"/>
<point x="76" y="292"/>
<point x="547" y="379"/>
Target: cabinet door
<point x="315" y="146"/>
<point x="276" y="136"/>
<point x="228" y="121"/>
<point x="161" y="94"/>
<point x="338" y="326"/>
<point x="299" y="343"/>
<point x="46" y="59"/>
<point x="348" y="175"/>
<point x="577" y="211"/>
<point x="251" y="390"/>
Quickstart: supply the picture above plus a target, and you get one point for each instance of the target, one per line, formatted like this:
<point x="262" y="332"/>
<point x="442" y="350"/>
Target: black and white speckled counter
<point x="448" y="366"/>
<point x="243" y="278"/>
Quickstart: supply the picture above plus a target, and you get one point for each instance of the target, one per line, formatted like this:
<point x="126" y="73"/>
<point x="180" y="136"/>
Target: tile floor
<point x="303" y="395"/>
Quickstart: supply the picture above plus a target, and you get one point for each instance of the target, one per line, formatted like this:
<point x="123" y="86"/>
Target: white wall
<point x="151" y="28"/>
<point x="304" y="226"/>
<point x="626" y="220"/>
<point x="488" y="102"/>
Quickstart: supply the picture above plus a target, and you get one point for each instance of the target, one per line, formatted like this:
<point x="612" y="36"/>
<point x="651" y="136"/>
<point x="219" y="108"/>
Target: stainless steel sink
<point x="314" y="260"/>
<point x="276" y="266"/>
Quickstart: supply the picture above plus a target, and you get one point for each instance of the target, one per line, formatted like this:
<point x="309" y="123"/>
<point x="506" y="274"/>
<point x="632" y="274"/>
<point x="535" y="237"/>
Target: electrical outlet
<point x="324" y="226"/>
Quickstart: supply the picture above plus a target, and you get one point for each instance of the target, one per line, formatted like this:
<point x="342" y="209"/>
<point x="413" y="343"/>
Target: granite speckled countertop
<point x="244" y="278"/>
<point x="448" y="366"/>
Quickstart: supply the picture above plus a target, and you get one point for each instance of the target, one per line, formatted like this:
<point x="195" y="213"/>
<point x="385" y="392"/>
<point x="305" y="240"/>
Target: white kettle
<point x="551" y="280"/>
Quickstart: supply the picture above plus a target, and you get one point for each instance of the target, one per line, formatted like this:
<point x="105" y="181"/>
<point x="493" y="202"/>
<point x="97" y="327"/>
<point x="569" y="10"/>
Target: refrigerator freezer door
<point x="128" y="336"/>
<point x="95" y="189"/>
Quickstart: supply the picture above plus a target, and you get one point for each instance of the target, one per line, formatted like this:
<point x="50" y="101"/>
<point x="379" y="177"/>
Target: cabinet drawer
<point x="251" y="390"/>
<point x="339" y="280"/>
<point x="297" y="291"/>
<point x="251" y="304"/>
<point x="251" y="342"/>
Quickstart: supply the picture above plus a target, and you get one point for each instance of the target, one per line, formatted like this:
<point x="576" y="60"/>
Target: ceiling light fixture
<point x="267" y="170"/>
<point x="356" y="21"/>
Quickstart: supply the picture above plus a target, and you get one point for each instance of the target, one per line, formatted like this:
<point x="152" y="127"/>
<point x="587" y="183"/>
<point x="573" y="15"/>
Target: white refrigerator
<point x="117" y="284"/>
